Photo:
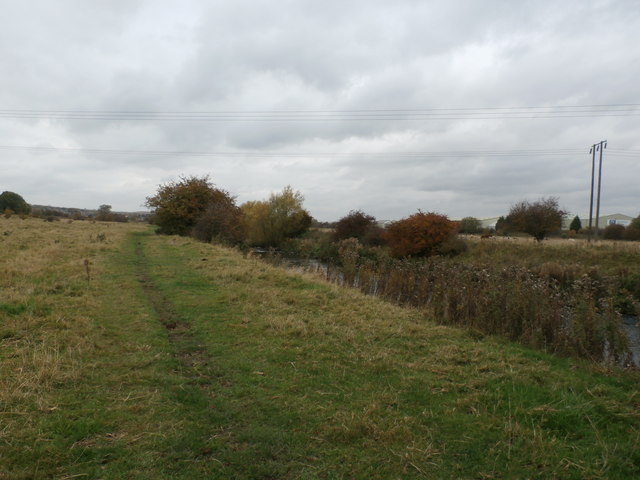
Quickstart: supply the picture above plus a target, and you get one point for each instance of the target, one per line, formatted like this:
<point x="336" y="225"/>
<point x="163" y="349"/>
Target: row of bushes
<point x="194" y="206"/>
<point x="51" y="215"/>
<point x="620" y="232"/>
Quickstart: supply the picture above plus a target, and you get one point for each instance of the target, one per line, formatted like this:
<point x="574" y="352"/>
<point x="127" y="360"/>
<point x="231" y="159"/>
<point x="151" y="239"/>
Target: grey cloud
<point x="251" y="55"/>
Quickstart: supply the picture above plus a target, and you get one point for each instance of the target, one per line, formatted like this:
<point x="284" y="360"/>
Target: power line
<point x="281" y="118"/>
<point x="589" y="106"/>
<point x="414" y="114"/>
<point x="621" y="152"/>
<point x="253" y="154"/>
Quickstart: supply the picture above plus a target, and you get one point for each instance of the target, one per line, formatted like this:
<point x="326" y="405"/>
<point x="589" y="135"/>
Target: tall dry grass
<point x="44" y="297"/>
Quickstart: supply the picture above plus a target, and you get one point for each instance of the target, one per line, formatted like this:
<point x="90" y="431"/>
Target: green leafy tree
<point x="287" y="216"/>
<point x="419" y="235"/>
<point x="254" y="223"/>
<point x="269" y="223"/>
<point x="576" y="224"/>
<point x="635" y="223"/>
<point x="538" y="219"/>
<point x="469" y="225"/>
<point x="14" y="202"/>
<point x="178" y="206"/>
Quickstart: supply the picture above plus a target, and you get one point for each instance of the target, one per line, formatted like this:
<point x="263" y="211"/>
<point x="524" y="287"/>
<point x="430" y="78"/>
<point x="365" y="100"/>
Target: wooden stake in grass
<point x="86" y="267"/>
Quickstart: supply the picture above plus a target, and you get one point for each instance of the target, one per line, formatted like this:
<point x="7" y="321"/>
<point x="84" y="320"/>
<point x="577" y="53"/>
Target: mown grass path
<point x="187" y="347"/>
<point x="186" y="360"/>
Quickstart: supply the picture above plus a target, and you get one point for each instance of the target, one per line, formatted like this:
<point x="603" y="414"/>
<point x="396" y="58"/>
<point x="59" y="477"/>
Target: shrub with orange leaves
<point x="419" y="235"/>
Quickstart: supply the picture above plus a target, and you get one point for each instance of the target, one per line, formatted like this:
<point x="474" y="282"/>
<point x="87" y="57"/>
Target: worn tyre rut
<point x="189" y="350"/>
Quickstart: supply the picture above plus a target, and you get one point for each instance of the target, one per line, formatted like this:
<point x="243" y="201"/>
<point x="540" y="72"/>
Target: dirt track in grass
<point x="189" y="350"/>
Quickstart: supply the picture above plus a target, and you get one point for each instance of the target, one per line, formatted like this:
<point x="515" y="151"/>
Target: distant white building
<point x="488" y="223"/>
<point x="615" y="219"/>
<point x="603" y="221"/>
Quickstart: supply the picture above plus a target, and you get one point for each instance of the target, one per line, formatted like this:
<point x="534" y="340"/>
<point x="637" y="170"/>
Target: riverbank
<point x="562" y="299"/>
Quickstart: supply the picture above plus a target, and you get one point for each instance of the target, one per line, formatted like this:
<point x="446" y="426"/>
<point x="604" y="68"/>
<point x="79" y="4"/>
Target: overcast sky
<point x="458" y="107"/>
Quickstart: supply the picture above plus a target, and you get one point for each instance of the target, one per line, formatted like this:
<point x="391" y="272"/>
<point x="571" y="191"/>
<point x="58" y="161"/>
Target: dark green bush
<point x="14" y="202"/>
<point x="613" y="232"/>
<point x="469" y="225"/>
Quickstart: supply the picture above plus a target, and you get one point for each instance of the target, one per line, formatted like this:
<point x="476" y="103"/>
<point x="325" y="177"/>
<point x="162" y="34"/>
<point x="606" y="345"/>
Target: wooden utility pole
<point x="595" y="148"/>
<point x="602" y="146"/>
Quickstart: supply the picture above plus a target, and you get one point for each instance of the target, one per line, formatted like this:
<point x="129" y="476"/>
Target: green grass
<point x="185" y="360"/>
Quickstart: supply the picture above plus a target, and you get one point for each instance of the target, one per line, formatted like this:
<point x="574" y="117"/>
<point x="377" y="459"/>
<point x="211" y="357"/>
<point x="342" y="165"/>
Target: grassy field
<point x="129" y="355"/>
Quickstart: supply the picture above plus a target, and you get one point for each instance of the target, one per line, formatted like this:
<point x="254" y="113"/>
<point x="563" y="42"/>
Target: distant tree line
<point x="12" y="203"/>
<point x="194" y="206"/>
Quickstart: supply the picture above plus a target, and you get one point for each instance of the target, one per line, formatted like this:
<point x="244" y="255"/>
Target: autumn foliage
<point x="419" y="235"/>
<point x="268" y="223"/>
<point x="538" y="219"/>
<point x="358" y="224"/>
